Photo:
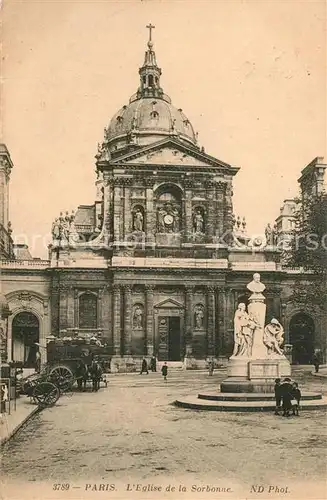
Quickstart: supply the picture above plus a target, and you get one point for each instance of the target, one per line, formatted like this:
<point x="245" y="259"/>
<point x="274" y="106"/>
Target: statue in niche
<point x="273" y="337"/>
<point x="198" y="221"/>
<point x="138" y="317"/>
<point x="161" y="213"/>
<point x="199" y="317"/>
<point x="138" y="220"/>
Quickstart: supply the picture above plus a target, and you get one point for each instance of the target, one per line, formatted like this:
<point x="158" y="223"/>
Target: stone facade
<point x="158" y="264"/>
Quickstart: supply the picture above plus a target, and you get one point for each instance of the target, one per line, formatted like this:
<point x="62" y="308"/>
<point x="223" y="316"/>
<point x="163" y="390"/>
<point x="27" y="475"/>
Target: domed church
<point x="158" y="264"/>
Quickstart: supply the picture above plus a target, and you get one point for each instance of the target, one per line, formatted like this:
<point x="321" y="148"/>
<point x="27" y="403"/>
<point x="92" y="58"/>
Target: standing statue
<point x="257" y="310"/>
<point x="138" y="220"/>
<point x="73" y="234"/>
<point x="273" y="337"/>
<point x="138" y="317"/>
<point x="176" y="221"/>
<point x="55" y="231"/>
<point x="269" y="235"/>
<point x="161" y="213"/>
<point x="199" y="317"/>
<point x="244" y="327"/>
<point x="275" y="235"/>
<point x="198" y="222"/>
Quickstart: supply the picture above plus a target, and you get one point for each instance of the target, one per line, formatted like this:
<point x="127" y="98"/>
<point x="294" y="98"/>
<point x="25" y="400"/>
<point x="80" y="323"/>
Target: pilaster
<point x="127" y="319"/>
<point x="211" y="320"/>
<point x="150" y="333"/>
<point x="189" y="292"/>
<point x="116" y="334"/>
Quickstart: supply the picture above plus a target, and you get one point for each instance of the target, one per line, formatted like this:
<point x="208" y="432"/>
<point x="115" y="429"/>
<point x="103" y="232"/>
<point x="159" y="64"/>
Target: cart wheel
<point x="63" y="377"/>
<point x="46" y="394"/>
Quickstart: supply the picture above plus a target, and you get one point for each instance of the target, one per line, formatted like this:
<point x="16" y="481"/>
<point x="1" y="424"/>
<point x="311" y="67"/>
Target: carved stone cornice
<point x="149" y="288"/>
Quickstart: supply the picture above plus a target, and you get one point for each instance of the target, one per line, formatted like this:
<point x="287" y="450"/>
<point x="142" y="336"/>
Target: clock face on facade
<point x="168" y="219"/>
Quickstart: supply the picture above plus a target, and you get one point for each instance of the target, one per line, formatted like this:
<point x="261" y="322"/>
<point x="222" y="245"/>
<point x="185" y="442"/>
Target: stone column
<point x="150" y="216"/>
<point x="220" y="307"/>
<point x="150" y="333"/>
<point x="117" y="211"/>
<point x="107" y="206"/>
<point x="127" y="320"/>
<point x="228" y="211"/>
<point x="219" y="214"/>
<point x="210" y="223"/>
<point x="127" y="211"/>
<point x="63" y="292"/>
<point x="188" y="212"/>
<point x="211" y="320"/>
<point x="70" y="307"/>
<point x="189" y="292"/>
<point x="55" y="307"/>
<point x="116" y="334"/>
<point x="76" y="309"/>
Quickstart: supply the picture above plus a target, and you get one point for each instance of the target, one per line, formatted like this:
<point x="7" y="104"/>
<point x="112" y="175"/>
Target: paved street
<point x="129" y="433"/>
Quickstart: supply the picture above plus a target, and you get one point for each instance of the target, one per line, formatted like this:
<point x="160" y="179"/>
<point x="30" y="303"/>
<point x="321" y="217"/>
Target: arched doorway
<point x="25" y="332"/>
<point x="301" y="332"/>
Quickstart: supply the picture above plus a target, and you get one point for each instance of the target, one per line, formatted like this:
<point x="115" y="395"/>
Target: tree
<point x="308" y="251"/>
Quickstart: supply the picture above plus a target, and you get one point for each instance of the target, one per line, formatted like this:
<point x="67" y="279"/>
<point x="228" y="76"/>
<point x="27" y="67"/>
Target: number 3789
<point x="61" y="486"/>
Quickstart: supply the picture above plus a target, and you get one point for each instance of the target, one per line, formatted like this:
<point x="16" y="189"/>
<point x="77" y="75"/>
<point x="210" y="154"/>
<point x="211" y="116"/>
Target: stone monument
<point x="257" y="357"/>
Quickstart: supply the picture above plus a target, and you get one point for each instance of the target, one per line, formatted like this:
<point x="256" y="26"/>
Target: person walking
<point x="296" y="393"/>
<point x="287" y="396"/>
<point x="316" y="362"/>
<point x="153" y="364"/>
<point x="144" y="367"/>
<point x="211" y="367"/>
<point x="278" y="395"/>
<point x="164" y="371"/>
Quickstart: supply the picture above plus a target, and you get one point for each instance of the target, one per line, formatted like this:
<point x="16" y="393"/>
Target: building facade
<point x="158" y="264"/>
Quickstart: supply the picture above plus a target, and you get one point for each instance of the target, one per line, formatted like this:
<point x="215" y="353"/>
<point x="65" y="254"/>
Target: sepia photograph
<point x="163" y="249"/>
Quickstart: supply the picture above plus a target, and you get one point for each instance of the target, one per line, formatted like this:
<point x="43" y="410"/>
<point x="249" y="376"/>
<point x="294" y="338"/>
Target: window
<point x="88" y="310"/>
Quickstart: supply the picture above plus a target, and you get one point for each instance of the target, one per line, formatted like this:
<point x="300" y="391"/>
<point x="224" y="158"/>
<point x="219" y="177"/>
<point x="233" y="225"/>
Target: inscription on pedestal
<point x="263" y="369"/>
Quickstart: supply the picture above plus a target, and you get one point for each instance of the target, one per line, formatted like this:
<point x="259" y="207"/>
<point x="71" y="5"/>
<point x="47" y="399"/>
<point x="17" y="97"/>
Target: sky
<point x="249" y="75"/>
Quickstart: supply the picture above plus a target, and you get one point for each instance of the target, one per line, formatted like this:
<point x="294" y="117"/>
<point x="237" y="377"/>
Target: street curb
<point x="4" y="440"/>
<point x="322" y="375"/>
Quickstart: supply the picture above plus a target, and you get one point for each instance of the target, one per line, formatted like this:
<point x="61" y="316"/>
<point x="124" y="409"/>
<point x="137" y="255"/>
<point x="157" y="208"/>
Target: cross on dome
<point x="150" y="28"/>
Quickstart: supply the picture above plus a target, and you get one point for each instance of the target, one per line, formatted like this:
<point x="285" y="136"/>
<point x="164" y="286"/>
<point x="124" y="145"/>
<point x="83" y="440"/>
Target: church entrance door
<point x="169" y="347"/>
<point x="174" y="338"/>
<point x="25" y="332"/>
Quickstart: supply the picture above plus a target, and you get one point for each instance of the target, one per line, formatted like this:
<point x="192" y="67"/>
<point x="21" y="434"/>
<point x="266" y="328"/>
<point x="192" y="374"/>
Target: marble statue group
<point x="252" y="338"/>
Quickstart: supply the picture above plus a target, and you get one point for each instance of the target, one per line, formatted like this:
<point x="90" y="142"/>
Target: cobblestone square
<point x="130" y="436"/>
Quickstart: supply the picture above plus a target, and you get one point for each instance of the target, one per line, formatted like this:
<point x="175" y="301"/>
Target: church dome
<point x="150" y="115"/>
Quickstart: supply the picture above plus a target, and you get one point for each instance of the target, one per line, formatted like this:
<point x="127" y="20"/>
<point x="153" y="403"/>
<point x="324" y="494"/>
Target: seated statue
<point x="273" y="337"/>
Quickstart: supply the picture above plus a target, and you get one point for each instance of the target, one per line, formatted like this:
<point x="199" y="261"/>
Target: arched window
<point x="88" y="310"/>
<point x="150" y="80"/>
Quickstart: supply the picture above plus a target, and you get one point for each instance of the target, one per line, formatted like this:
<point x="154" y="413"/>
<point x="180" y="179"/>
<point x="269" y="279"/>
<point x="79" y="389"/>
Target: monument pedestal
<point x="254" y="375"/>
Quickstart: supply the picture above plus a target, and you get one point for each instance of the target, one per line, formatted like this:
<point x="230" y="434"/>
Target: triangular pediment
<point x="172" y="152"/>
<point x="169" y="304"/>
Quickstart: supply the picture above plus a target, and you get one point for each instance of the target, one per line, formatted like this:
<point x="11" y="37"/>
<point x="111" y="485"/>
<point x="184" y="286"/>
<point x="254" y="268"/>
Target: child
<point x="278" y="395"/>
<point x="164" y="371"/>
<point x="296" y="394"/>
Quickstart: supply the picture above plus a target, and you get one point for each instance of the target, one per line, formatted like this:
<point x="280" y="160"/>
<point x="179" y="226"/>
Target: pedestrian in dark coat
<point x="164" y="371"/>
<point x="287" y="395"/>
<point x="296" y="398"/>
<point x="316" y="362"/>
<point x="153" y="364"/>
<point x="278" y="395"/>
<point x="144" y="367"/>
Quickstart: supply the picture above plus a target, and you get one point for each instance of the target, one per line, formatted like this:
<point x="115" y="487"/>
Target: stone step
<point x="194" y="403"/>
<point x="251" y="396"/>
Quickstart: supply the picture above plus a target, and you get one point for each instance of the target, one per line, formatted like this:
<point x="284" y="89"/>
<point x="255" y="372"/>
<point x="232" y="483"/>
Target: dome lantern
<point x="150" y="72"/>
